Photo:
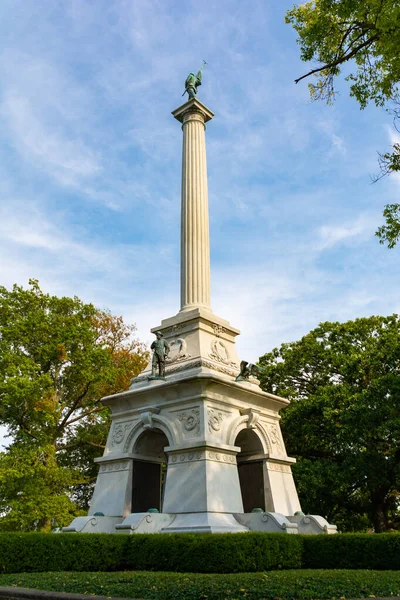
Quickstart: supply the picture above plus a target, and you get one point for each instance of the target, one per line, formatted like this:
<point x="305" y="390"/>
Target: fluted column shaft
<point x="195" y="236"/>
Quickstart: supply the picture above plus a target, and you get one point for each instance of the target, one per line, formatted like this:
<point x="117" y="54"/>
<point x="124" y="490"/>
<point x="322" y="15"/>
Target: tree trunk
<point x="45" y="525"/>
<point x="379" y="516"/>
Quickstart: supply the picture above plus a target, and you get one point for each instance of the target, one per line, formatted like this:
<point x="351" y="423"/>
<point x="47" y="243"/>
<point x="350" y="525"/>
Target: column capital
<point x="193" y="106"/>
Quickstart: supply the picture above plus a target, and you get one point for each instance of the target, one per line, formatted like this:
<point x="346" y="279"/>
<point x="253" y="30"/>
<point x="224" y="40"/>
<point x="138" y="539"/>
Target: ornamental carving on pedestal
<point x="118" y="434"/>
<point x="175" y="329"/>
<point x="218" y="329"/>
<point x="278" y="467"/>
<point x="115" y="466"/>
<point x="215" y="419"/>
<point x="191" y="421"/>
<point x="178" y="351"/>
<point x="275" y="437"/>
<point x="220" y="353"/>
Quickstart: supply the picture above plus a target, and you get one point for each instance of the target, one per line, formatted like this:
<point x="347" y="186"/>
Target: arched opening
<point x="149" y="469"/>
<point x="251" y="466"/>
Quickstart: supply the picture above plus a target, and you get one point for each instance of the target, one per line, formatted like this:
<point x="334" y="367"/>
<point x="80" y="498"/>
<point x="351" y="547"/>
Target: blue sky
<point x="90" y="161"/>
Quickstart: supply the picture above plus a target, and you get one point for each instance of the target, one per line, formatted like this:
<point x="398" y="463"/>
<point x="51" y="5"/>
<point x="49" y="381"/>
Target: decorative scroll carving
<point x="147" y="419"/>
<point x="215" y="419"/>
<point x="253" y="419"/>
<point x="181" y="354"/>
<point x="191" y="420"/>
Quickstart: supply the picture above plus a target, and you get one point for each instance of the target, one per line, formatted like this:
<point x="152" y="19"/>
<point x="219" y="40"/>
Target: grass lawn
<point x="307" y="584"/>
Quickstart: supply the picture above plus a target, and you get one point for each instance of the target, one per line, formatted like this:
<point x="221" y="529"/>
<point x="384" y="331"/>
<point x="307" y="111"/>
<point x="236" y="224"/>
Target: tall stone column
<point x="195" y="237"/>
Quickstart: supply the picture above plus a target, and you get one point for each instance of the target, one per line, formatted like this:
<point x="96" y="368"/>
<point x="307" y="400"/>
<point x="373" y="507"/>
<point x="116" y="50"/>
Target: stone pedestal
<point x="204" y="427"/>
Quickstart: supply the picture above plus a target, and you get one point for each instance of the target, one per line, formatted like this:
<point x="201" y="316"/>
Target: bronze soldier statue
<point x="160" y="349"/>
<point x="192" y="82"/>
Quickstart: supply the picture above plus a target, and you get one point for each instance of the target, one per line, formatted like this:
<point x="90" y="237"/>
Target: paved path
<point x="19" y="593"/>
<point x="12" y="593"/>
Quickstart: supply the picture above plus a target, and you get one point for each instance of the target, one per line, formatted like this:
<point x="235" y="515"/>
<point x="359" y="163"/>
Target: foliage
<point x="332" y="32"/>
<point x="343" y="423"/>
<point x="352" y="551"/>
<point x="189" y="586"/>
<point x="365" y="35"/>
<point x="33" y="487"/>
<point x="58" y="357"/>
<point x="203" y="553"/>
<point x="390" y="232"/>
<point x="196" y="553"/>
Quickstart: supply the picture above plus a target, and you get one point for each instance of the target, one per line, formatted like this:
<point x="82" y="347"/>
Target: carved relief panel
<point x="178" y="351"/>
<point x="216" y="419"/>
<point x="190" y="422"/>
<point x="118" y="433"/>
<point x="275" y="437"/>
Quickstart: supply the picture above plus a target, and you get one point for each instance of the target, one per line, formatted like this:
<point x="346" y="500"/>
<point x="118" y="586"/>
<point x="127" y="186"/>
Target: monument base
<point x="93" y="524"/>
<point x="144" y="523"/>
<point x="268" y="522"/>
<point x="312" y="524"/>
<point x="202" y="522"/>
<point x="206" y="522"/>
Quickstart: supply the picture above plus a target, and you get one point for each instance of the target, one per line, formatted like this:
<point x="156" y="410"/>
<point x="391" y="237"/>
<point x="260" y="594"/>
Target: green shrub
<point x="202" y="553"/>
<point x="196" y="553"/>
<point x="25" y="552"/>
<point x="352" y="551"/>
<point x="206" y="553"/>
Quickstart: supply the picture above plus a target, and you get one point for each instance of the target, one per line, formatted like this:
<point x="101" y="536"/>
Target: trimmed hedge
<point x="380" y="551"/>
<point x="201" y="553"/>
<point x="196" y="553"/>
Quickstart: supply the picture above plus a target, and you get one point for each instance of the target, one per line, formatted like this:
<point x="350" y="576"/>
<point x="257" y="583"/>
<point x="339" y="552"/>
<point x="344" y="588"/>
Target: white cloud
<point x="68" y="160"/>
<point x="355" y="232"/>
<point x="330" y="127"/>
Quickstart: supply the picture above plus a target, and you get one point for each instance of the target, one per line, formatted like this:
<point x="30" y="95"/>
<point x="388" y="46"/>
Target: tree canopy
<point x="58" y="357"/>
<point x="343" y="423"/>
<point x="365" y="36"/>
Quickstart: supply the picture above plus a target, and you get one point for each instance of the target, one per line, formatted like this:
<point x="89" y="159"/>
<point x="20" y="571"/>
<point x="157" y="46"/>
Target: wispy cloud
<point x="66" y="159"/>
<point x="330" y="127"/>
<point x="346" y="233"/>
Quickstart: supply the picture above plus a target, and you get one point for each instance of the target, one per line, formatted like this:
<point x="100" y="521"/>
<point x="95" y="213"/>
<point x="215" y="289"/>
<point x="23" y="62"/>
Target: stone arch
<point x="149" y="466"/>
<point x="149" y="421"/>
<point x="249" y="421"/>
<point x="251" y="462"/>
<point x="249" y="442"/>
<point x="150" y="444"/>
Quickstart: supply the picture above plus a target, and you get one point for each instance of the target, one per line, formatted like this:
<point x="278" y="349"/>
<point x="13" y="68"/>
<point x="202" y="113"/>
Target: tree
<point x="367" y="34"/>
<point x="343" y="423"/>
<point x="58" y="357"/>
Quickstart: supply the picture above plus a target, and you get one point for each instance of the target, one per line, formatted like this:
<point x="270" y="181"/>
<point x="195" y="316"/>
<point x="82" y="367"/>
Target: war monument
<point x="195" y="445"/>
